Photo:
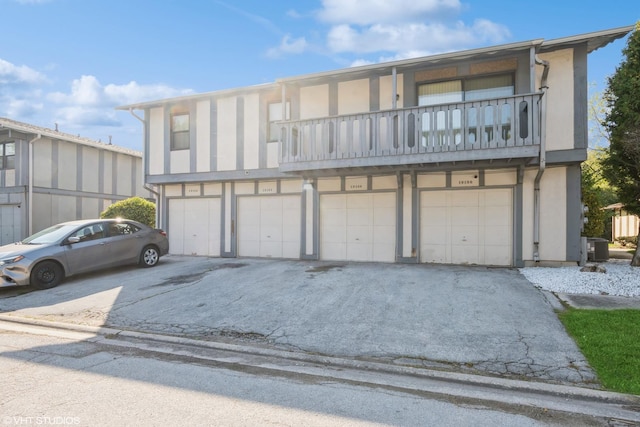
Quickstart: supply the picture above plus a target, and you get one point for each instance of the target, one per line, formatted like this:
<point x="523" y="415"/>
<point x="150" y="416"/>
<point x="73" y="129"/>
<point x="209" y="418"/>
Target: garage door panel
<point x="334" y="251"/>
<point x="270" y="249"/>
<point x="435" y="199"/>
<point x="359" y="252"/>
<point x="361" y="201"/>
<point x="384" y="216"/>
<point x="464" y="198"/>
<point x="498" y="198"/>
<point x="434" y="234"/>
<point x="382" y="253"/>
<point x="496" y="216"/>
<point x="384" y="233"/>
<point x="363" y="230"/>
<point x="497" y="255"/>
<point x="357" y="216"/>
<point x="465" y="215"/>
<point x="434" y="253"/>
<point x="497" y="235"/>
<point x="334" y="235"/>
<point x="359" y="234"/>
<point x="384" y="200"/>
<point x="473" y="227"/>
<point x="291" y="249"/>
<point x="269" y="226"/>
<point x="465" y="254"/>
<point x="335" y="201"/>
<point x="194" y="226"/>
<point x="435" y="216"/>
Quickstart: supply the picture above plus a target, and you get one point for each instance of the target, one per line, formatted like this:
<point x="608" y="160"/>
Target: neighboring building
<point x="47" y="177"/>
<point x="468" y="157"/>
<point x="623" y="224"/>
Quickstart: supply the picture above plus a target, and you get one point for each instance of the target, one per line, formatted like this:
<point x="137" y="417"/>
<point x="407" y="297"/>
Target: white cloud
<point x="14" y="74"/>
<point x="90" y="103"/>
<point x="368" y="12"/>
<point x="288" y="45"/>
<point x="426" y="38"/>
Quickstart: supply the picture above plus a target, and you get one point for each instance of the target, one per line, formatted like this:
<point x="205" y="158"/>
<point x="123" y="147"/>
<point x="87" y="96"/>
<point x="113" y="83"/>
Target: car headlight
<point x="11" y="260"/>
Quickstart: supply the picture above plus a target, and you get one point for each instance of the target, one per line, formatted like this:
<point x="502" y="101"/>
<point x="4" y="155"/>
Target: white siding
<point x="124" y="174"/>
<point x="560" y="109"/>
<point x="66" y="168"/>
<point x="227" y="122"/>
<point x="156" y="141"/>
<point x="251" y="131"/>
<point x="90" y="178"/>
<point x="353" y="96"/>
<point x="203" y="136"/>
<point x="386" y="92"/>
<point x="314" y="101"/>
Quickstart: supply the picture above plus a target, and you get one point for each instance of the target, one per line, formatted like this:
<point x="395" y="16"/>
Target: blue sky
<point x="72" y="62"/>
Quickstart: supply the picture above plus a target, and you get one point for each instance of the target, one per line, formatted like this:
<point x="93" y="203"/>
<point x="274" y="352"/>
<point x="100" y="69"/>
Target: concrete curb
<point x="484" y="388"/>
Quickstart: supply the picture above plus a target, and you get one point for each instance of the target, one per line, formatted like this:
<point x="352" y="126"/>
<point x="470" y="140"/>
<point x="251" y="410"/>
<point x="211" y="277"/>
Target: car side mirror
<point x="73" y="239"/>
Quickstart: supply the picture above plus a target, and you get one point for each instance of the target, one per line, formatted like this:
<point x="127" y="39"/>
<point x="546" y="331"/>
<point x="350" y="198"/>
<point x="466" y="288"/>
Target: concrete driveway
<point x="475" y="319"/>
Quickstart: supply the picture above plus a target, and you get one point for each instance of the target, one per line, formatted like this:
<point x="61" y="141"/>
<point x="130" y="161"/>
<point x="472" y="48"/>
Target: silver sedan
<point x="44" y="259"/>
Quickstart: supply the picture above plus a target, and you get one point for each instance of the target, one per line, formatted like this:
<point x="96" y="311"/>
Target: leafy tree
<point x="622" y="166"/>
<point x="135" y="208"/>
<point x="591" y="199"/>
<point x="596" y="194"/>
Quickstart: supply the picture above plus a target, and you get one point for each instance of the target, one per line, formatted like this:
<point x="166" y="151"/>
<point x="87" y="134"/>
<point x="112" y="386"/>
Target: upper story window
<point x="465" y="89"/>
<point x="8" y="155"/>
<point x="180" y="131"/>
<point x="275" y="116"/>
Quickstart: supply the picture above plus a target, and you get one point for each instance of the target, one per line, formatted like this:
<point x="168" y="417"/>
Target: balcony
<point x="496" y="130"/>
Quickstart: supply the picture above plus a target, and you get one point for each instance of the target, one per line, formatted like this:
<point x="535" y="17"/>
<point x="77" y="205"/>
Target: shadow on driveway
<point x="475" y="319"/>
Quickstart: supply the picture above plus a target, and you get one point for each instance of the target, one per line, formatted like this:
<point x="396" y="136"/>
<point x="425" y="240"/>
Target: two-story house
<point x="47" y="177"/>
<point x="468" y="157"/>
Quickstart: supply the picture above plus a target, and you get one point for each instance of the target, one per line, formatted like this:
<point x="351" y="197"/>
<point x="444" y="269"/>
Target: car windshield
<point x="49" y="235"/>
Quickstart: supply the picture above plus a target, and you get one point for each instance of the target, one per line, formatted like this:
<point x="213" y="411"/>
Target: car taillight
<point x="162" y="232"/>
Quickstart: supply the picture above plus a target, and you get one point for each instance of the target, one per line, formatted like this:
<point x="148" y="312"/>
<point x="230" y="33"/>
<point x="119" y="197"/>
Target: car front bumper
<point x="14" y="275"/>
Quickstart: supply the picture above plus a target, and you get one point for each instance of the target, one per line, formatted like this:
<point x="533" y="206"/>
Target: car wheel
<point x="149" y="256"/>
<point x="46" y="275"/>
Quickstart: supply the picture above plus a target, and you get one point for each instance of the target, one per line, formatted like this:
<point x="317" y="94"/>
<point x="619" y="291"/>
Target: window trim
<point x="271" y="123"/>
<point x="173" y="133"/>
<point x="4" y="157"/>
<point x="463" y="80"/>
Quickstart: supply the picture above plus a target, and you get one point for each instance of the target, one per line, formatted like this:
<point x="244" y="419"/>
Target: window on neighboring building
<point x="8" y="155"/>
<point x="180" y="131"/>
<point x="275" y="116"/>
<point x="465" y="89"/>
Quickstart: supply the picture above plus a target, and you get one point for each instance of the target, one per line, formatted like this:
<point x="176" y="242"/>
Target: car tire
<point x="149" y="256"/>
<point x="46" y="275"/>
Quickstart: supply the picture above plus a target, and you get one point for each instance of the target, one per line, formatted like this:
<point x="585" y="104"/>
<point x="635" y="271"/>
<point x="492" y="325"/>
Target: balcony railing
<point x="474" y="130"/>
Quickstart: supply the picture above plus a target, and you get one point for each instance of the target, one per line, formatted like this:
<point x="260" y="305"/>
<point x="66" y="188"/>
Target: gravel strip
<point x="619" y="279"/>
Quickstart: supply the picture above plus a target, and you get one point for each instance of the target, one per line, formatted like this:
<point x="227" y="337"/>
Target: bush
<point x="134" y="208"/>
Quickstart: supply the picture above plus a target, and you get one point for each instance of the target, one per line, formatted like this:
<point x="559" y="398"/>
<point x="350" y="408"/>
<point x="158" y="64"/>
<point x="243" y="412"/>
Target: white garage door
<point x="194" y="226"/>
<point x="358" y="227"/>
<point x="269" y="226"/>
<point x="10" y="224"/>
<point x="466" y="227"/>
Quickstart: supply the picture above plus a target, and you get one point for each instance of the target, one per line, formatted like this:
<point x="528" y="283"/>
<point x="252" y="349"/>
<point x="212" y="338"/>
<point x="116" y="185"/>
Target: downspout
<point x="144" y="167"/>
<point x="543" y="159"/>
<point x="144" y="125"/>
<point x="30" y="187"/>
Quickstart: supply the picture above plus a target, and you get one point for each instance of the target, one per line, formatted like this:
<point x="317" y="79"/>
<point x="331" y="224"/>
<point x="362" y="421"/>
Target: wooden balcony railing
<point x="487" y="129"/>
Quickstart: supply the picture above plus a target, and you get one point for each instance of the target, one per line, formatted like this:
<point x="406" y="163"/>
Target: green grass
<point x="610" y="340"/>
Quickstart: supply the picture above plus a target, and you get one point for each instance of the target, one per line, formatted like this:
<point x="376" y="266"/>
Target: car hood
<point x="16" y="249"/>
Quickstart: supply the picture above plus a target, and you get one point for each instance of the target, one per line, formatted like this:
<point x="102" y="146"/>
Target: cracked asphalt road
<point x="474" y="319"/>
